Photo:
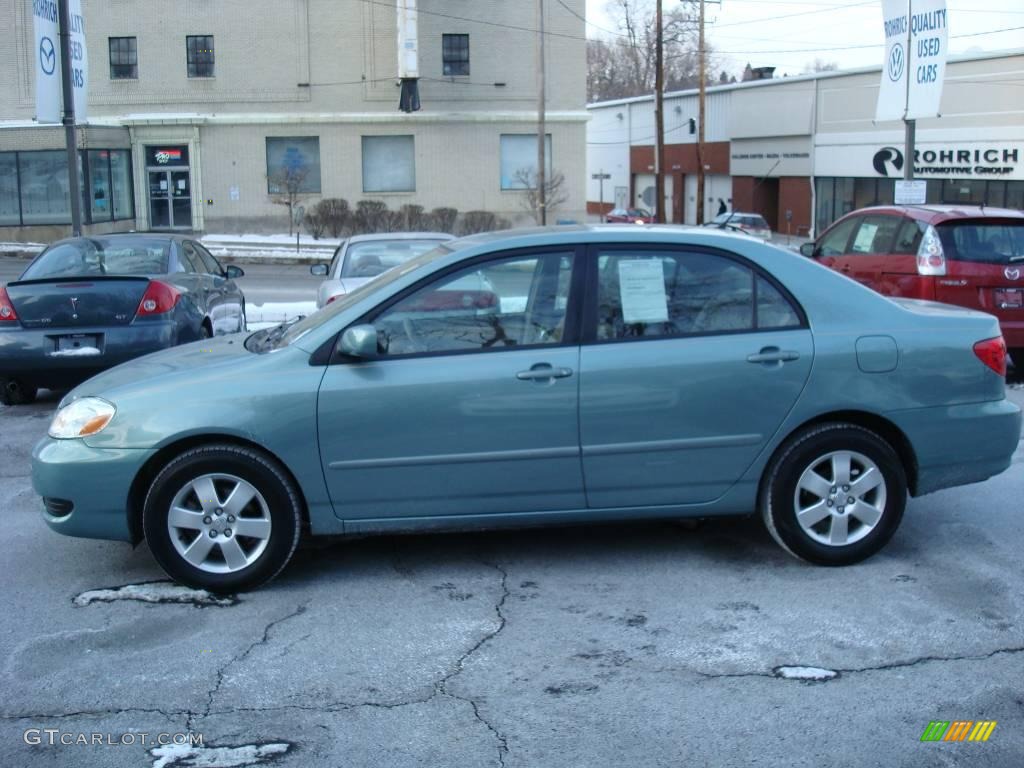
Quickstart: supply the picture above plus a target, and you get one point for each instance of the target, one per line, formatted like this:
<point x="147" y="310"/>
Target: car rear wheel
<point x="223" y="518"/>
<point x="834" y="494"/>
<point x="17" y="392"/>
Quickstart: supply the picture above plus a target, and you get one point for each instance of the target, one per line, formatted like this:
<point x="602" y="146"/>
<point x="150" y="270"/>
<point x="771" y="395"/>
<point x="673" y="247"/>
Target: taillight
<point x="7" y="313"/>
<point x="992" y="352"/>
<point x="931" y="260"/>
<point x="158" y="298"/>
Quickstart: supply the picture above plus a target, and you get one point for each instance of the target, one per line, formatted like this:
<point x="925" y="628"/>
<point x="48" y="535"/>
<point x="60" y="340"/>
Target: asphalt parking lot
<point x="625" y="645"/>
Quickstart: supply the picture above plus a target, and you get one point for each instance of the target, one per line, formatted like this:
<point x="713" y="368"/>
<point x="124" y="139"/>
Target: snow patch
<point x="805" y="673"/>
<point x="323" y="242"/>
<point x="188" y="756"/>
<point x="153" y="592"/>
<point x="21" y="247"/>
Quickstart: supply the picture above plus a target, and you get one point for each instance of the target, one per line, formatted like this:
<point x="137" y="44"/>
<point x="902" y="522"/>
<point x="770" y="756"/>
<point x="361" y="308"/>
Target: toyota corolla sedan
<point x="88" y="303"/>
<point x="603" y="373"/>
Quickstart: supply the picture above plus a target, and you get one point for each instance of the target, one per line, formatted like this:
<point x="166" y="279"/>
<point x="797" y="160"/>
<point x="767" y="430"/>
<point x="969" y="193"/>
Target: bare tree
<point x="819" y="65"/>
<point x="286" y="189"/>
<point x="554" y="187"/>
<point x="623" y="65"/>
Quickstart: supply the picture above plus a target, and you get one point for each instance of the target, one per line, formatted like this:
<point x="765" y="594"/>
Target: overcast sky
<point x="785" y="33"/>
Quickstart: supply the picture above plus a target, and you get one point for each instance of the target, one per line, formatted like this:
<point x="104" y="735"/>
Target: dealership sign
<point x="971" y="160"/>
<point x="49" y="101"/>
<point x="916" y="36"/>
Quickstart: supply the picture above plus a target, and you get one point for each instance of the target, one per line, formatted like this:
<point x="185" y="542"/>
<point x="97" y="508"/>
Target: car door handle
<point x="544" y="371"/>
<point x="774" y="355"/>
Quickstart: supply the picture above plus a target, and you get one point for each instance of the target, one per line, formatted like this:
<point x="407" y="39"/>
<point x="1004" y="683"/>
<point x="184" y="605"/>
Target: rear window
<point x="757" y="222"/>
<point x="374" y="257"/>
<point x="984" y="242"/>
<point x="102" y="256"/>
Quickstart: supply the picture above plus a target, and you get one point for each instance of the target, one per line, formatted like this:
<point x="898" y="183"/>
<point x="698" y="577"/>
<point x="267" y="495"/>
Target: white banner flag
<point x="929" y="32"/>
<point x="892" y="92"/>
<point x="49" y="104"/>
<point x="916" y="35"/>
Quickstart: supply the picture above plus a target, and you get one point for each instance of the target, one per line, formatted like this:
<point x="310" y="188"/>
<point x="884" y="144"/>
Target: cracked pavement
<point x="651" y="644"/>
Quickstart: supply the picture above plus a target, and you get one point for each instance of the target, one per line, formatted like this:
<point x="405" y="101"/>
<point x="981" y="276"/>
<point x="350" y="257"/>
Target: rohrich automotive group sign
<point x="916" y="36"/>
<point x="936" y="160"/>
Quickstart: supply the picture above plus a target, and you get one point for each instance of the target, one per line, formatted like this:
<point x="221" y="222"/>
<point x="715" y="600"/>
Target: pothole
<point x="813" y="674"/>
<point x="154" y="592"/>
<point x="188" y="756"/>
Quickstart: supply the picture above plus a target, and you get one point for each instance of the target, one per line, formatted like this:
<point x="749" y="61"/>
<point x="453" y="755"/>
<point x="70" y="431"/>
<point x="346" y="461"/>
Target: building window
<point x="10" y="205"/>
<point x="455" y="55"/>
<point x="44" y="187"/>
<point x="293" y="164"/>
<point x="519" y="160"/>
<point x="389" y="164"/>
<point x="124" y="58"/>
<point x="199" y="49"/>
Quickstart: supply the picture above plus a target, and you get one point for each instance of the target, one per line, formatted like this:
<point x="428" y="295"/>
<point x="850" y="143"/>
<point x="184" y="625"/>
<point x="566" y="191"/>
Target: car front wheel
<point x="223" y="518"/>
<point x="834" y="494"/>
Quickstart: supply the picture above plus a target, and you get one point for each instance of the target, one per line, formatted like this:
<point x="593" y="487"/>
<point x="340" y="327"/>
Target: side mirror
<point x="233" y="273"/>
<point x="807" y="249"/>
<point x="318" y="270"/>
<point x="359" y="341"/>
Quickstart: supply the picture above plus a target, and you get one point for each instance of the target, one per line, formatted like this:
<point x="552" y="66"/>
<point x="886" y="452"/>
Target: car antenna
<point x="764" y="178"/>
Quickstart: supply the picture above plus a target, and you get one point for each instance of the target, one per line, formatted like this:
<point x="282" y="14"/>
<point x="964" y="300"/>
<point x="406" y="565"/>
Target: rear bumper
<point x="960" y="444"/>
<point x="27" y="353"/>
<point x="95" y="480"/>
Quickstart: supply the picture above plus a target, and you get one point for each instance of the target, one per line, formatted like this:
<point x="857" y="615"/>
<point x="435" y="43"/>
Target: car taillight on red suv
<point x="158" y="299"/>
<point x="7" y="313"/>
<point x="992" y="352"/>
<point x="931" y="259"/>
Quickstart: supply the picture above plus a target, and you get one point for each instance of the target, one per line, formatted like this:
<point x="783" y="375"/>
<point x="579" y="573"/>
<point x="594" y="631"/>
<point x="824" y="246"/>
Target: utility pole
<point x="700" y="118"/>
<point x="910" y="126"/>
<point x="542" y="197"/>
<point x="69" y="117"/>
<point x="659" y="120"/>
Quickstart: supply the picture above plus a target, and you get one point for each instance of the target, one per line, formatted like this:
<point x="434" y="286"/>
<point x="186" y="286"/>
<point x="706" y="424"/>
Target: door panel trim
<point x="725" y="441"/>
<point x="567" y="452"/>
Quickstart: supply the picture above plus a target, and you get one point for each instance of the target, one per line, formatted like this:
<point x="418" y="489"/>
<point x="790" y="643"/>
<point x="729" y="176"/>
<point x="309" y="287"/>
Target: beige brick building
<point x="200" y="110"/>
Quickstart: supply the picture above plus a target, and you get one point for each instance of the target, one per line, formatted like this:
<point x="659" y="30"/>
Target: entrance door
<point x="170" y="200"/>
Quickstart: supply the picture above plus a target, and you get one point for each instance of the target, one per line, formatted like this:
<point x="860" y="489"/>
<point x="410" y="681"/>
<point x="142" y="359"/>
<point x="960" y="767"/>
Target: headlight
<point x="82" y="418"/>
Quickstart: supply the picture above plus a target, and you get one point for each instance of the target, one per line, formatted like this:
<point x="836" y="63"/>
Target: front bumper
<point x="960" y="444"/>
<point x="95" y="480"/>
<point x="26" y="354"/>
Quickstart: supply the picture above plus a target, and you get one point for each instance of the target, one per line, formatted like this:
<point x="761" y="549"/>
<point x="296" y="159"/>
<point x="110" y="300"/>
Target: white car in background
<point x="361" y="258"/>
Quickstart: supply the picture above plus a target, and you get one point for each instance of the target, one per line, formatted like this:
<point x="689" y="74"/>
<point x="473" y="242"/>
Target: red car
<point x="629" y="216"/>
<point x="972" y="256"/>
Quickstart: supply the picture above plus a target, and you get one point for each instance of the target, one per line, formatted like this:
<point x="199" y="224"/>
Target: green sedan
<point x="579" y="375"/>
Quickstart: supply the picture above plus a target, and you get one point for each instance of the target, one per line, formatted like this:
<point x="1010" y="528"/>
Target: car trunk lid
<point x="76" y="302"/>
<point x="984" y="265"/>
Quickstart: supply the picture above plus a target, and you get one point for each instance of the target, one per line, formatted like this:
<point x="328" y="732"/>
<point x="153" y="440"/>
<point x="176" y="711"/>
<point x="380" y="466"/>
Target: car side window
<point x="908" y="239"/>
<point x="875" y="235"/>
<point x="835" y="241"/>
<point x="190" y="259"/>
<point x="651" y="294"/>
<point x="332" y="270"/>
<point x="210" y="264"/>
<point x="512" y="302"/>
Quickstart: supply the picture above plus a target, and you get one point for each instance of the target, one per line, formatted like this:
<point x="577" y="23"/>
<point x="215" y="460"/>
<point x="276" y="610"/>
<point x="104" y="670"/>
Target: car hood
<point x="197" y="358"/>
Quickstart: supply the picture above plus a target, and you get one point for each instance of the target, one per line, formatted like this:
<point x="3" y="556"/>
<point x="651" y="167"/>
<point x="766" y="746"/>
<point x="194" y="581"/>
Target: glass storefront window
<point x="121" y="184"/>
<point x="293" y="163"/>
<point x="44" y="187"/>
<point x="99" y="195"/>
<point x="10" y="210"/>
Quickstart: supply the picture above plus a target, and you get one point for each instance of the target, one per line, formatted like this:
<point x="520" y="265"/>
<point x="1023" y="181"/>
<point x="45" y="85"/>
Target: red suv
<point x="972" y="256"/>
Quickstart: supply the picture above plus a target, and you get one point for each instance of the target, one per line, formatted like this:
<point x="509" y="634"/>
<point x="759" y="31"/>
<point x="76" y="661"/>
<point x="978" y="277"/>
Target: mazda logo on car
<point x="1012" y="273"/>
<point x="885" y="157"/>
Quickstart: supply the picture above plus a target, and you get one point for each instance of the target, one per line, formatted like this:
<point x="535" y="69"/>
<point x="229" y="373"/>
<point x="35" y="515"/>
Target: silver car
<point x="361" y="258"/>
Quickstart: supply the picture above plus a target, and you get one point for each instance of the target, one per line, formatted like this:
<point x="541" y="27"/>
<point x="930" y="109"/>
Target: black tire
<point x="264" y="474"/>
<point x="17" y="392"/>
<point x="778" y="498"/>
<point x="204" y="330"/>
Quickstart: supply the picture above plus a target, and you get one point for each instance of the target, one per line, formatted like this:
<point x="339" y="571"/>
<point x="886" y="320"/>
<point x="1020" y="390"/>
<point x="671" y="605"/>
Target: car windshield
<point x="985" y="242"/>
<point x="638" y="212"/>
<point x="282" y="335"/>
<point x="102" y="256"/>
<point x="374" y="257"/>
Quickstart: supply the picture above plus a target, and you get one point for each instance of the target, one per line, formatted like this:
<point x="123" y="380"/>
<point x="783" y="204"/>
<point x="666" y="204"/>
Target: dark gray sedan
<point x="88" y="303"/>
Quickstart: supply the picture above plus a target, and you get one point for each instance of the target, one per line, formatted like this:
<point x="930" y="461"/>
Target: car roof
<point x="176" y="237"/>
<point x="400" y="236"/>
<point x="935" y="212"/>
<point x="595" y="233"/>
